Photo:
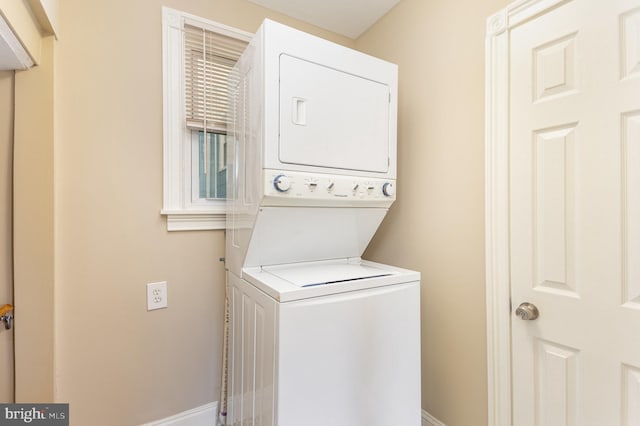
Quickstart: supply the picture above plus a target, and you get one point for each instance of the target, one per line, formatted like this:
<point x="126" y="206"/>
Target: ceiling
<point x="347" y="17"/>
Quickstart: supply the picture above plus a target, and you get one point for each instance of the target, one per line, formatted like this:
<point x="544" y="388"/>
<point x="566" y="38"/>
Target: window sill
<point x="194" y="220"/>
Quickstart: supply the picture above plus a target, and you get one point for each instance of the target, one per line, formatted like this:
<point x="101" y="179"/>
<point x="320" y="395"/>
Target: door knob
<point x="527" y="311"/>
<point x="6" y="316"/>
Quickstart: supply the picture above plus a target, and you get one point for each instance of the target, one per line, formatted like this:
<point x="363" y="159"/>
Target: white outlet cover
<point x="156" y="295"/>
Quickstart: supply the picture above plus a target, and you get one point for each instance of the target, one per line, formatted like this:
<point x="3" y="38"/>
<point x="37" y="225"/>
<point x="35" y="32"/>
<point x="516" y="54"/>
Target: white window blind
<point x="208" y="59"/>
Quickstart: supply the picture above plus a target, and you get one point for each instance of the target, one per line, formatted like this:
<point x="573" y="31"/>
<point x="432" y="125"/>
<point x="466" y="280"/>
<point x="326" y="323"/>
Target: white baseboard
<point x="205" y="415"/>
<point x="429" y="420"/>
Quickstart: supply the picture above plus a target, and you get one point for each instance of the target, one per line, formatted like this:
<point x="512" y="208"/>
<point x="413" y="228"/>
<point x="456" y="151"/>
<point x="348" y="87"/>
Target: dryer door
<point x="329" y="118"/>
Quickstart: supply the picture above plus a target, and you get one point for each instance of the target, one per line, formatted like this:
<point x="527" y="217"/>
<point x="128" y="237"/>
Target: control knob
<point x="282" y="183"/>
<point x="388" y="189"/>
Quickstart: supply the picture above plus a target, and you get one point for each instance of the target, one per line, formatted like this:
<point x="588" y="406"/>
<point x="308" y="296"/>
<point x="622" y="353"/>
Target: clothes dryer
<point x="318" y="336"/>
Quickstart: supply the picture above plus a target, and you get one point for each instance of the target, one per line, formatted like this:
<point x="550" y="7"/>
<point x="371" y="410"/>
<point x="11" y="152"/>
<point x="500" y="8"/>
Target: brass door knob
<point x="6" y="316"/>
<point x="527" y="311"/>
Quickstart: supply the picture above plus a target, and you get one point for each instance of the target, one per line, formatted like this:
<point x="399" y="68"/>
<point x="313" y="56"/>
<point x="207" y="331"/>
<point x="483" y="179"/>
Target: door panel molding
<point x="498" y="304"/>
<point x="630" y="209"/>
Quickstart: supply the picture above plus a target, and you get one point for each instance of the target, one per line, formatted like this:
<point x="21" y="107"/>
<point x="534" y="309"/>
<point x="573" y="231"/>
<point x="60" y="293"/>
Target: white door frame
<point x="498" y="303"/>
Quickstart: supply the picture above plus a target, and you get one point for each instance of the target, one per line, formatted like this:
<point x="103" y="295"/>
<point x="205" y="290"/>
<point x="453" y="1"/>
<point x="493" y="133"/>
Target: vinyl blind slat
<point x="208" y="60"/>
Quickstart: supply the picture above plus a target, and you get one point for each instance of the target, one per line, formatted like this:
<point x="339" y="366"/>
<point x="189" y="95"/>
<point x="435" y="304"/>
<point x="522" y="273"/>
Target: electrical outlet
<point x="156" y="295"/>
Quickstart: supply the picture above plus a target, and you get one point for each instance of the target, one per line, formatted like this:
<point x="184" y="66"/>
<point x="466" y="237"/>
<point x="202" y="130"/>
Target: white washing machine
<point x="318" y="336"/>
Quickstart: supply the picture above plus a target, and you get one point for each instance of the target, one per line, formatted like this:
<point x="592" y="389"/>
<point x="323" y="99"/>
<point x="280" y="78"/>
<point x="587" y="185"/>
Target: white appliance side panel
<point x="302" y="234"/>
<point x="351" y="359"/>
<point x="252" y="338"/>
<point x="330" y="118"/>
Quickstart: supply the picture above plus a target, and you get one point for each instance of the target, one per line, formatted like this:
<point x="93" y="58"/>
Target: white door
<point x="330" y="118"/>
<point x="574" y="146"/>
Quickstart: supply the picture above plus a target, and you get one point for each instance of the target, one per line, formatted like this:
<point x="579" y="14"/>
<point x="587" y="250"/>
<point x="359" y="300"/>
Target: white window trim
<point x="182" y="213"/>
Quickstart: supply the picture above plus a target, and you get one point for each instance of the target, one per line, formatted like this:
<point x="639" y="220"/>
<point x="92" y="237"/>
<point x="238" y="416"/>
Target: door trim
<point x="498" y="304"/>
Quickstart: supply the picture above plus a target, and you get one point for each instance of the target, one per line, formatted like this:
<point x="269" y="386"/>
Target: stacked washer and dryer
<point x="318" y="336"/>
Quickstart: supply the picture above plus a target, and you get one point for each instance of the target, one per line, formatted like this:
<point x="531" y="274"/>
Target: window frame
<point x="181" y="211"/>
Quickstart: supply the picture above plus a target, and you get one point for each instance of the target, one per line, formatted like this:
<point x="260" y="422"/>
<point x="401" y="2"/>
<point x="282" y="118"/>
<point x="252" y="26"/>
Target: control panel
<point x="292" y="187"/>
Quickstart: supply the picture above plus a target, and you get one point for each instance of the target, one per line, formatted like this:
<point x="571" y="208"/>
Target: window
<point x="197" y="57"/>
<point x="209" y="178"/>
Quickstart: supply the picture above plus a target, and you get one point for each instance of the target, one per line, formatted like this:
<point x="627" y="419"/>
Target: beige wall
<point x="6" y="267"/>
<point x="437" y="224"/>
<point x="116" y="363"/>
<point x="33" y="230"/>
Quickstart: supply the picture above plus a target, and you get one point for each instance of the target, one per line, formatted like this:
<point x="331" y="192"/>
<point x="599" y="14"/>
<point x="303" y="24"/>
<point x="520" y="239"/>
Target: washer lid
<point x="325" y="273"/>
<point x="306" y="280"/>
